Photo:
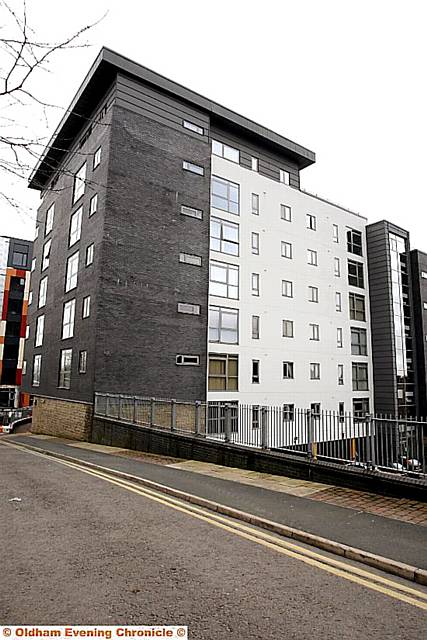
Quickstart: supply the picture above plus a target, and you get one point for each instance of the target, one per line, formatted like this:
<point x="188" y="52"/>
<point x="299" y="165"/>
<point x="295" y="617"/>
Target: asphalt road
<point x="78" y="549"/>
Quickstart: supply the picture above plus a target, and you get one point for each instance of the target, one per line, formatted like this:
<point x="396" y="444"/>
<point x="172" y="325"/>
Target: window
<point x="186" y="360"/>
<point x="20" y="255"/>
<point x="311" y="222"/>
<point x="255" y="284"/>
<point x="284" y="176"/>
<point x="340" y="374"/>
<point x="339" y="338"/>
<point x="75" y="227"/>
<point x="337" y="267"/>
<point x="216" y="416"/>
<point x="287" y="289"/>
<point x="424" y="305"/>
<point x="313" y="294"/>
<point x="33" y="264"/>
<point x="360" y="407"/>
<point x="424" y="274"/>
<point x="288" y="328"/>
<point x="36" y="233"/>
<point x="24" y="367"/>
<point x="42" y="292"/>
<point x="27" y="332"/>
<point x="341" y="411"/>
<point x="82" y="361"/>
<point x="191" y="212"/>
<point x="335" y="233"/>
<point x="360" y="376"/>
<point x="255" y="243"/>
<point x="255" y="204"/>
<point x="93" y="205"/>
<point x="224" y="280"/>
<point x="64" y="381"/>
<point x="38" y="342"/>
<point x="355" y="274"/>
<point x="358" y="342"/>
<point x="190" y="309"/>
<point x="255" y="371"/>
<point x="255" y="416"/>
<point x="46" y="255"/>
<point x="315" y="408"/>
<point x="254" y="164"/>
<point x="72" y="271"/>
<point x="223" y="325"/>
<point x="288" y="412"/>
<point x="224" y="151"/>
<point x="225" y="195"/>
<point x="285" y="212"/>
<point x="354" y="242"/>
<point x="312" y="257"/>
<point x="288" y="370"/>
<point x="190" y="258"/>
<point x="224" y="237"/>
<point x="97" y="158"/>
<point x="49" y="219"/>
<point x="37" y="365"/>
<point x="223" y="372"/>
<point x="89" y="254"/>
<point x="193" y="168"/>
<point x="314" y="371"/>
<point x="193" y="127"/>
<point x="86" y="307"/>
<point x="338" y="301"/>
<point x="255" y="327"/>
<point x="286" y="250"/>
<point x="30" y="298"/>
<point x="357" y="307"/>
<point x="68" y="319"/>
<point x="79" y="183"/>
<point x="314" y="332"/>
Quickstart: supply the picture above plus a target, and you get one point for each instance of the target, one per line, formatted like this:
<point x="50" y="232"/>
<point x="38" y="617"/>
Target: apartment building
<point x="15" y="261"/>
<point x="177" y="257"/>
<point x="419" y="297"/>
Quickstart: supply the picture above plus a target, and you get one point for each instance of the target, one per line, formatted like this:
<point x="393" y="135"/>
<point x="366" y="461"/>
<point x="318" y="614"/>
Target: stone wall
<point x="62" y="418"/>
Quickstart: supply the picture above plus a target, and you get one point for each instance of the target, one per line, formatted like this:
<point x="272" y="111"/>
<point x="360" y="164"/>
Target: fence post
<point x="310" y="434"/>
<point x="173" y="415"/>
<point x="107" y="402"/>
<point x="134" y="410"/>
<point x="198" y="405"/>
<point x="371" y="439"/>
<point x="227" y="412"/>
<point x="152" y="411"/>
<point x="264" y="428"/>
<point x="119" y="410"/>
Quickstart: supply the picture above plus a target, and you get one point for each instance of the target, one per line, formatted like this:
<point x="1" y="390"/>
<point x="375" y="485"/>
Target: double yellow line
<point x="362" y="577"/>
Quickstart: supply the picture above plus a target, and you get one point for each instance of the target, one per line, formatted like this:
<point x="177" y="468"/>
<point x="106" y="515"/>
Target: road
<point x="82" y="548"/>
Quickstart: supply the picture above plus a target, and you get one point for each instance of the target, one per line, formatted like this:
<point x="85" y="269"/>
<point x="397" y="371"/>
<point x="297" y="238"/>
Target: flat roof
<point x="101" y="76"/>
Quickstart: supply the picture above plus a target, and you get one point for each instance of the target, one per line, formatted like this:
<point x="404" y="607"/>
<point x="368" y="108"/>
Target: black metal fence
<point x="370" y="441"/>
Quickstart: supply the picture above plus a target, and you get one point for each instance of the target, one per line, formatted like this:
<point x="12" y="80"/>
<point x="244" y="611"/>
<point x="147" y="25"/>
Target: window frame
<point x="228" y="268"/>
<point x="222" y="239"/>
<point x="86" y="306"/>
<point x="225" y="358"/>
<point x="285" y="285"/>
<point x="69" y="308"/>
<point x="358" y="382"/>
<point x="75" y="230"/>
<point x="64" y="374"/>
<point x="224" y="149"/>
<point x="359" y="347"/>
<point x="285" y="249"/>
<point x="288" y="366"/>
<point x="82" y="358"/>
<point x="288" y="328"/>
<point x="36" y="373"/>
<point x="314" y="370"/>
<point x="69" y="278"/>
<point x="233" y="207"/>
<point x="223" y="312"/>
<point x="79" y="184"/>
<point x="284" y="210"/>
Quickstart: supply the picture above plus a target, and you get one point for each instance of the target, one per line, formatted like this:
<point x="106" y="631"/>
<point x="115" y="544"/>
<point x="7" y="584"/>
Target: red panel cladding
<point x="18" y="376"/>
<point x="23" y="328"/>
<point x="5" y="304"/>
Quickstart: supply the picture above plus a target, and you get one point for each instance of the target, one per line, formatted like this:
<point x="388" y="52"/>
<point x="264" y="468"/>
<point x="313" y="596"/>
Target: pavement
<point x="389" y="527"/>
<point x="79" y="548"/>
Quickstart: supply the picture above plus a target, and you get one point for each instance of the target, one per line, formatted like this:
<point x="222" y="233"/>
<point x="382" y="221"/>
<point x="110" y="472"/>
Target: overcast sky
<point x="345" y="79"/>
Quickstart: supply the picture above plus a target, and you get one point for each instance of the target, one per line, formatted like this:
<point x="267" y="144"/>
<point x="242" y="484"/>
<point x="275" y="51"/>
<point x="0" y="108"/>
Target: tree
<point x="23" y="59"/>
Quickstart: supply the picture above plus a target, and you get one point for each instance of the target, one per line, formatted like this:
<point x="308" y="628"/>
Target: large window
<point x="223" y="372"/>
<point x="75" y="227"/>
<point x="46" y="255"/>
<point x="225" y="151"/>
<point x="360" y="376"/>
<point x="37" y="365"/>
<point x="223" y="325"/>
<point x="357" y="307"/>
<point x="225" y="195"/>
<point x="38" y="342"/>
<point x="42" y="292"/>
<point x="49" y="219"/>
<point x="360" y="407"/>
<point x="79" y="183"/>
<point x="72" y="271"/>
<point x="224" y="236"/>
<point x="358" y="342"/>
<point x="355" y="274"/>
<point x="68" y="319"/>
<point x="64" y="378"/>
<point x="20" y="255"/>
<point x="224" y="280"/>
<point x="354" y="242"/>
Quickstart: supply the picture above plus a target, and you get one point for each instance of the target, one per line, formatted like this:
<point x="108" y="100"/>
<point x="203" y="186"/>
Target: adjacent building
<point x="15" y="261"/>
<point x="177" y="257"/>
<point x="419" y="297"/>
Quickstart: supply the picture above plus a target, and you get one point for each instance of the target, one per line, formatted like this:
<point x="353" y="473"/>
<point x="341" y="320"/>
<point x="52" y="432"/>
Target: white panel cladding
<point x="271" y="349"/>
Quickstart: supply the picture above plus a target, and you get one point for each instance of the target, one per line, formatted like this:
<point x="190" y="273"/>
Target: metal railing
<point x="374" y="442"/>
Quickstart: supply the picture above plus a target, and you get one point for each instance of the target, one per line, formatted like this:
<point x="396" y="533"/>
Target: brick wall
<point x="62" y="418"/>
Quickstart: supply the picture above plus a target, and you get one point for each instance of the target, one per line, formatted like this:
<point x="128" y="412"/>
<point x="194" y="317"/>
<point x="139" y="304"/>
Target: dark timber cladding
<point x="419" y="292"/>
